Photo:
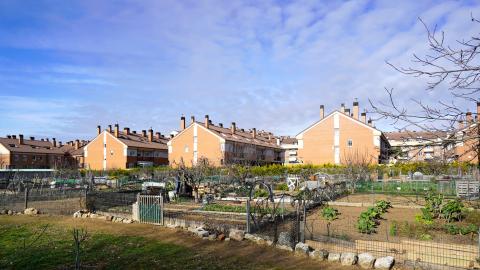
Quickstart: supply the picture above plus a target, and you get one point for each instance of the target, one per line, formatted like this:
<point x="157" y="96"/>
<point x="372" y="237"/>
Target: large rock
<point x="237" y="235"/>
<point x="30" y="211"/>
<point x="77" y="214"/>
<point x="334" y="257"/>
<point x="284" y="239"/>
<point x="348" y="258"/>
<point x="384" y="263"/>
<point x="366" y="260"/>
<point x="319" y="254"/>
<point x="127" y="221"/>
<point x="3" y="212"/>
<point x="302" y="249"/>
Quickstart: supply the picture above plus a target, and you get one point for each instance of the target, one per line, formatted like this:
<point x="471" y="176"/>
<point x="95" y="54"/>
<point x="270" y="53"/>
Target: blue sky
<point x="66" y="66"/>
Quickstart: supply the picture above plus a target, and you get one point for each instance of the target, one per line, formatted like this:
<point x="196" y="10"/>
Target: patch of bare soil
<point x="345" y="226"/>
<point x="406" y="200"/>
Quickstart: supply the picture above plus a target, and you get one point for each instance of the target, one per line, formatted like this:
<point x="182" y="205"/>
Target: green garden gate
<point x="150" y="209"/>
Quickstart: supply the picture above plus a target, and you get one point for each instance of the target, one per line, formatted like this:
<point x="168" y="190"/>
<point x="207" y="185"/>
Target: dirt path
<point x="247" y="253"/>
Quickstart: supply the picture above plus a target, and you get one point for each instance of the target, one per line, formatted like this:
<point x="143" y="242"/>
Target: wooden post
<point x="304" y="221"/>
<point x="26" y="198"/>
<point x="161" y="211"/>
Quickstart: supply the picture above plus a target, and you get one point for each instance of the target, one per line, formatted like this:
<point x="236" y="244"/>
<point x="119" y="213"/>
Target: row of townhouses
<point x="344" y="136"/>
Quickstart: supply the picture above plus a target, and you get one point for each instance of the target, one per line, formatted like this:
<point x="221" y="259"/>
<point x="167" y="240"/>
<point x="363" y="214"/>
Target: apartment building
<point x="342" y="137"/>
<point x="463" y="144"/>
<point x="116" y="149"/>
<point x="413" y="146"/>
<point x="290" y="147"/>
<point x="221" y="145"/>
<point x="74" y="150"/>
<point x="20" y="153"/>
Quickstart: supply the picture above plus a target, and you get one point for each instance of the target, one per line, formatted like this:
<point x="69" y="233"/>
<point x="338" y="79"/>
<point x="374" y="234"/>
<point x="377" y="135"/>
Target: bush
<point x="453" y="210"/>
<point x="373" y="212"/>
<point x="452" y="229"/>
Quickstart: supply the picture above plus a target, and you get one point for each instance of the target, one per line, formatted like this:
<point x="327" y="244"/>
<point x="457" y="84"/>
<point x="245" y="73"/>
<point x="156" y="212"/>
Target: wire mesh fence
<point x="111" y="202"/>
<point x="47" y="201"/>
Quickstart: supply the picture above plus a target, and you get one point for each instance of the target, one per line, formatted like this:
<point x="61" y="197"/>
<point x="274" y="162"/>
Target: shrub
<point x="282" y="187"/>
<point x="373" y="213"/>
<point x="433" y="203"/>
<point x="453" y="210"/>
<point x="452" y="229"/>
<point x="469" y="229"/>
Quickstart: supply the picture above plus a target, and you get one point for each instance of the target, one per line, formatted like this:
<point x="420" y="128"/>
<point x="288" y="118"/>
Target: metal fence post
<point x="26" y="198"/>
<point x="248" y="216"/>
<point x="161" y="211"/>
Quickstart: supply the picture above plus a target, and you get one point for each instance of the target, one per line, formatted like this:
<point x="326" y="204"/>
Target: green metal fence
<point x="446" y="188"/>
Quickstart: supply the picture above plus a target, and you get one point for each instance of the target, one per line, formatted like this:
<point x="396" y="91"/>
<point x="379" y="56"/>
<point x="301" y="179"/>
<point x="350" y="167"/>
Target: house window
<point x="349" y="143"/>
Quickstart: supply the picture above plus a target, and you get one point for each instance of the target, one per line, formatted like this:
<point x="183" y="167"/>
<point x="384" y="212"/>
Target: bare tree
<point x="454" y="69"/>
<point x="79" y="236"/>
<point x="194" y="175"/>
<point x="357" y="164"/>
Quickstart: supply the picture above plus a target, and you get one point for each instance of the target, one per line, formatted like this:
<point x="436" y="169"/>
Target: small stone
<point x="212" y="236"/>
<point x="282" y="247"/>
<point x="77" y="214"/>
<point x="333" y="257"/>
<point x="302" y="249"/>
<point x="284" y="239"/>
<point x="221" y="237"/>
<point x="3" y="212"/>
<point x="384" y="263"/>
<point x="108" y="218"/>
<point x="227" y="239"/>
<point x="127" y="221"/>
<point x="319" y="254"/>
<point x="93" y="215"/>
<point x="9" y="212"/>
<point x="366" y="260"/>
<point x="237" y="235"/>
<point x="348" y="258"/>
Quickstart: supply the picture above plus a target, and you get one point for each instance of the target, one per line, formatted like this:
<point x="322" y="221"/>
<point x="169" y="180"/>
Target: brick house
<point x="221" y="145"/>
<point x="115" y="149"/>
<point x="20" y="153"/>
<point x="417" y="145"/>
<point x="342" y="137"/>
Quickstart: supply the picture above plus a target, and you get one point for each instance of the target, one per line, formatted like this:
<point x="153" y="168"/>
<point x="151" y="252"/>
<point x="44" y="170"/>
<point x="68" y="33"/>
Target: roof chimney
<point x="347" y="112"/>
<point x="99" y="130"/>
<point x="478" y="111"/>
<point x="207" y="121"/>
<point x="144" y="133"/>
<point x="322" y="112"/>
<point x="116" y="130"/>
<point x="182" y="123"/>
<point x="20" y="139"/>
<point x="468" y="118"/>
<point x="342" y="108"/>
<point x="355" y="109"/>
<point x="158" y="135"/>
<point x="364" y="117"/>
<point x="460" y="124"/>
<point x="192" y="118"/>
<point x="54" y="142"/>
<point x="110" y="128"/>
<point x="254" y="133"/>
<point x="370" y="123"/>
<point x="9" y="136"/>
<point x="171" y="135"/>
<point x="77" y="144"/>
<point x="150" y="135"/>
<point x="134" y="131"/>
<point x="32" y="138"/>
<point x="60" y="144"/>
<point x="233" y="127"/>
<point x="220" y="125"/>
<point x="48" y="139"/>
<point x="126" y="130"/>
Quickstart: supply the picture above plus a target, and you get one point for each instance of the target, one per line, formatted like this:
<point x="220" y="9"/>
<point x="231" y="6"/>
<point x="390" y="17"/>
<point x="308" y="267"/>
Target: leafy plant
<point x="434" y="202"/>
<point x="453" y="210"/>
<point x="469" y="229"/>
<point x="425" y="237"/>
<point x="329" y="214"/>
<point x="373" y="213"/>
<point x="425" y="218"/>
<point x="452" y="229"/>
<point x="261" y="193"/>
<point x="383" y="206"/>
<point x="282" y="187"/>
<point x="393" y="228"/>
<point x="365" y="224"/>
